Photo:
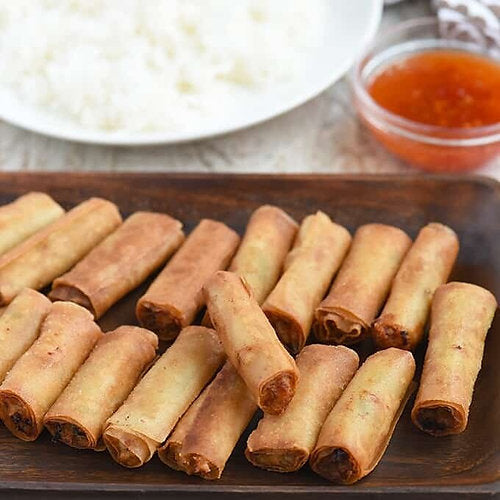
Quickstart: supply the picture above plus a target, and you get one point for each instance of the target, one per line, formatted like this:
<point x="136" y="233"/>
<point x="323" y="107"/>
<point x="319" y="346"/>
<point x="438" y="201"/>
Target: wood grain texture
<point x="415" y="464"/>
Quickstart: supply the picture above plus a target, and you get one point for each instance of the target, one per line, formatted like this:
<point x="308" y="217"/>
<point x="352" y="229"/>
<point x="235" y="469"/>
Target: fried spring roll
<point x="100" y="386"/>
<point x="358" y="429"/>
<point x="19" y="327"/>
<point x="250" y="342"/>
<point x="148" y="415"/>
<point x="121" y="262"/>
<point x="259" y="260"/>
<point x="461" y="316"/>
<point x="175" y="297"/>
<point x="57" y="247"/>
<point x="170" y="452"/>
<point x="362" y="284"/>
<point x="316" y="256"/>
<point x="427" y="265"/>
<point x="67" y="336"/>
<point x="24" y="217"/>
<point x="224" y="412"/>
<point x="283" y="443"/>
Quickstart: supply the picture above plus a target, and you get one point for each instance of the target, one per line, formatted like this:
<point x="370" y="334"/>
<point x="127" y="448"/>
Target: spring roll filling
<point x="277" y="392"/>
<point x="279" y="460"/>
<point x="199" y="465"/>
<point x="338" y="465"/>
<point x="393" y="335"/>
<point x="18" y="417"/>
<point x="342" y="328"/>
<point x="171" y="455"/>
<point x="288" y="330"/>
<point x="70" y="434"/>
<point x="163" y="322"/>
<point x="72" y="294"/>
<point x="438" y="419"/>
<point x="127" y="449"/>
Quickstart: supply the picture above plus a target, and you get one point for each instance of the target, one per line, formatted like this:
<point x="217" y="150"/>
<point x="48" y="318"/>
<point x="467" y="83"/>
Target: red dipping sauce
<point x="441" y="87"/>
<point x="451" y="93"/>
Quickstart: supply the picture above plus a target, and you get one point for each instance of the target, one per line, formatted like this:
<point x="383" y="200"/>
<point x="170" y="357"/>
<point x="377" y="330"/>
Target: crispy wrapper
<point x="100" y="385"/>
<point x="461" y="316"/>
<point x="121" y="262"/>
<point x="170" y="452"/>
<point x="67" y="336"/>
<point x="205" y="441"/>
<point x="250" y="342"/>
<point x="282" y="443"/>
<point x="57" y="247"/>
<point x="357" y="431"/>
<point x="148" y="415"/>
<point x="20" y="326"/>
<point x="362" y="284"/>
<point x="427" y="265"/>
<point x="316" y="256"/>
<point x="175" y="297"/>
<point x="24" y="217"/>
<point x="259" y="260"/>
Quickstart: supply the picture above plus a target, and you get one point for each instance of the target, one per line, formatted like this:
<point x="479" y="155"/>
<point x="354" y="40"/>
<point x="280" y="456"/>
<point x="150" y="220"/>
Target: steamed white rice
<point x="151" y="65"/>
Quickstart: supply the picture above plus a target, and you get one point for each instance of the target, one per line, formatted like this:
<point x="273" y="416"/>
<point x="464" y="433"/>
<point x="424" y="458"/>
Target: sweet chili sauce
<point x="445" y="88"/>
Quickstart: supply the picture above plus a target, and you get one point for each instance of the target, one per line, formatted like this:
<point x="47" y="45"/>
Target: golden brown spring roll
<point x="148" y="415"/>
<point x="316" y="256"/>
<point x="67" y="336"/>
<point x="362" y="284"/>
<point x="121" y="262"/>
<point x="259" y="260"/>
<point x="20" y="326"/>
<point x="24" y="217"/>
<point x="57" y="247"/>
<point x="224" y="412"/>
<point x="250" y="342"/>
<point x="358" y="429"/>
<point x="100" y="386"/>
<point x="427" y="265"/>
<point x="461" y="316"/>
<point x="175" y="297"/>
<point x="170" y="452"/>
<point x="282" y="443"/>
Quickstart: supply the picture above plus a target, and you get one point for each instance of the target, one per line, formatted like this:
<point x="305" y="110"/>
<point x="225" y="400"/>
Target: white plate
<point x="351" y="25"/>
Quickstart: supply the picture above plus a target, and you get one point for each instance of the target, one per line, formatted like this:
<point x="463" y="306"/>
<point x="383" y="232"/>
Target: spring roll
<point x="24" y="217"/>
<point x="259" y="260"/>
<point x="67" y="336"/>
<point x="57" y="247"/>
<point x="224" y="412"/>
<point x="100" y="386"/>
<point x="316" y="256"/>
<point x="362" y="284"/>
<point x="170" y="452"/>
<point x="283" y="443"/>
<point x="358" y="429"/>
<point x="121" y="262"/>
<point x="427" y="265"/>
<point x="250" y="342"/>
<point x="175" y="297"/>
<point x="20" y="326"/>
<point x="148" y="415"/>
<point x="461" y="316"/>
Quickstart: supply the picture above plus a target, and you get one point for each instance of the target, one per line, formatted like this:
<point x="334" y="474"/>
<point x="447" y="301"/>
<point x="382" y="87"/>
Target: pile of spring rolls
<point x="240" y="316"/>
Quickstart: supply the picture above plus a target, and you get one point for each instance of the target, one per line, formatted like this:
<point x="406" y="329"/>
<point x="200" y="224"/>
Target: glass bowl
<point x="430" y="147"/>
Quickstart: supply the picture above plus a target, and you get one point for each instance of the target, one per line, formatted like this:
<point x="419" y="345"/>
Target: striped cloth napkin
<point x="477" y="21"/>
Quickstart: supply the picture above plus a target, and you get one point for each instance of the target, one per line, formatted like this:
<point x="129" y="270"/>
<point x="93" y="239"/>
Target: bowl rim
<point x="410" y="129"/>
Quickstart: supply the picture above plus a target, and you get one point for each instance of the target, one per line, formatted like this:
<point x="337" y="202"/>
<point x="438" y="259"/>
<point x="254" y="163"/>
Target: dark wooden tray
<point x="415" y="465"/>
